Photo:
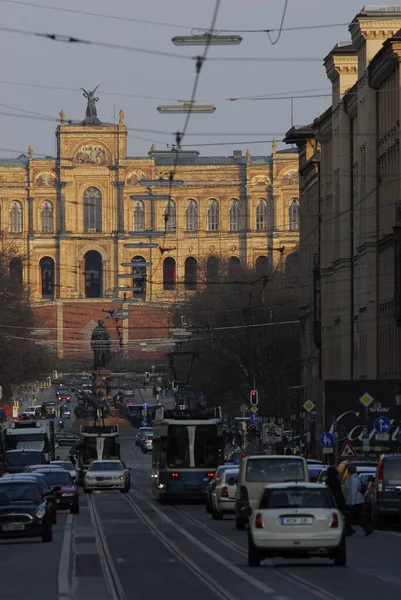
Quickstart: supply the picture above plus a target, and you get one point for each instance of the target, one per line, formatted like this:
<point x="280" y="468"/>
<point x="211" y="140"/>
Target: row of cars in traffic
<point x="288" y="510"/>
<point x="144" y="439"/>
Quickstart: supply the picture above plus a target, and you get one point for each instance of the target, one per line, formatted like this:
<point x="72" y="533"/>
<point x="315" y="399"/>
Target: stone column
<point x="61" y="207"/>
<point x="30" y="215"/>
<point x="120" y="205"/>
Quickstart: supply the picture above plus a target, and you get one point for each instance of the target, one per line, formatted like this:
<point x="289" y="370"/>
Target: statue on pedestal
<point x="100" y="344"/>
<point x="91" y="112"/>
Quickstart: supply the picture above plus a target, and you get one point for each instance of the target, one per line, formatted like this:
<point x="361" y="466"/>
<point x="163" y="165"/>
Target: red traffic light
<point x="254" y="398"/>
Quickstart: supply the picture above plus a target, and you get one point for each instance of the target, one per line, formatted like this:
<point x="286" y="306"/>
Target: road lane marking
<point x="63" y="575"/>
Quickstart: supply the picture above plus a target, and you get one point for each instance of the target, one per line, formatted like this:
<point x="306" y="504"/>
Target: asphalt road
<point x="120" y="547"/>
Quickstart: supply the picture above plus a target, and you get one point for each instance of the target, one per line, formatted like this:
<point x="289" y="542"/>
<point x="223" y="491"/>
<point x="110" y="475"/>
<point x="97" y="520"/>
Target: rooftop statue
<point x="91" y="112"/>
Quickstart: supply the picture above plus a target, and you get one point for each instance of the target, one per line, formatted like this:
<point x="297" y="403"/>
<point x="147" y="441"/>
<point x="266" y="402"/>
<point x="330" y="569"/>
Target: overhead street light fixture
<point x="207" y="38"/>
<point x="161" y="182"/>
<point x="187" y="107"/>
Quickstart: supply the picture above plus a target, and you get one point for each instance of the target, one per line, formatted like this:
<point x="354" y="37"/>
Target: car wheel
<point x="216" y="515"/>
<point x="340" y="555"/>
<point x="254" y="556"/>
<point x="47" y="535"/>
<point x="240" y="524"/>
<point x="209" y="508"/>
<point x="74" y="510"/>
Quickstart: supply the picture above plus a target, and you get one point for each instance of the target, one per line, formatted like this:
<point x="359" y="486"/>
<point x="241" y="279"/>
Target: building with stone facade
<point x="350" y="201"/>
<point x="81" y="222"/>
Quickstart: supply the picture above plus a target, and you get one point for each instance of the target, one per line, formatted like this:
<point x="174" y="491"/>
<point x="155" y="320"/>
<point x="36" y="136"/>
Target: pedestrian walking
<point x="355" y="501"/>
<point x="334" y="485"/>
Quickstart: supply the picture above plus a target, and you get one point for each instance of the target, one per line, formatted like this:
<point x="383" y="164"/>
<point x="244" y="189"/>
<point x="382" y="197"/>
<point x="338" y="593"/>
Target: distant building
<point x="74" y="219"/>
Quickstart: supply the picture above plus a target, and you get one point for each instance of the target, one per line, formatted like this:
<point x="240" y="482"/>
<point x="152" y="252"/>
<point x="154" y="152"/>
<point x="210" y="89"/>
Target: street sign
<point x="145" y="405"/>
<point x="382" y="425"/>
<point x="366" y="400"/>
<point x="254" y="419"/>
<point x="327" y="440"/>
<point x="269" y="433"/>
<point x="327" y="450"/>
<point x="382" y="437"/>
<point x="243" y="408"/>
<point x="254" y="409"/>
<point x="144" y="423"/>
<point x="347" y="451"/>
<point x="309" y="406"/>
<point x="365" y="432"/>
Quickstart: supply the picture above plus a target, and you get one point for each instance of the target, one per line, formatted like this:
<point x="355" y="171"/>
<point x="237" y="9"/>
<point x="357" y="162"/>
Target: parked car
<point x="107" y="475"/>
<point x="387" y="496"/>
<point x="24" y="511"/>
<point x="294" y="520"/>
<point x="223" y="495"/>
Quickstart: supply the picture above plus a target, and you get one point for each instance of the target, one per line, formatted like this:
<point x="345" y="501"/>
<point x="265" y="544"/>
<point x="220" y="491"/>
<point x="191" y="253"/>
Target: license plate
<point x="296" y="520"/>
<point x="13" y="527"/>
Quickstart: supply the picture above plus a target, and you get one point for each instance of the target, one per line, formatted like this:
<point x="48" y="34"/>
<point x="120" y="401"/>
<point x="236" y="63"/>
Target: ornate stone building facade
<point x="79" y="220"/>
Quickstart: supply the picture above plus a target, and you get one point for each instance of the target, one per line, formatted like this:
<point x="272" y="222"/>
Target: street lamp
<point x="207" y="38"/>
<point x="186" y="107"/>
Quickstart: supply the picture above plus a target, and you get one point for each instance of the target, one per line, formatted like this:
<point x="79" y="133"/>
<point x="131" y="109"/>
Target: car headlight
<point x="40" y="512"/>
<point x="121" y="477"/>
<point x="68" y="494"/>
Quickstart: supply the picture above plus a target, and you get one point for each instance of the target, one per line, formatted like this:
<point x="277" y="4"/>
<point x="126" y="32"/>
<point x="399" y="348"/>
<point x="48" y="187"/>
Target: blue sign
<point x="382" y="425"/>
<point x="254" y="419"/>
<point x="365" y="432"/>
<point x="327" y="440"/>
<point x="145" y="405"/>
<point x="144" y="423"/>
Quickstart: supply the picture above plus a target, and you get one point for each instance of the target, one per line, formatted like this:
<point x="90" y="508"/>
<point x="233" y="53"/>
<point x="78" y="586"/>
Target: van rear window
<point x="392" y="469"/>
<point x="274" y="470"/>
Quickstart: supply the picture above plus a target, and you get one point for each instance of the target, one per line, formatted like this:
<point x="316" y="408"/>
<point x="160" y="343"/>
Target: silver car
<point x="107" y="475"/>
<point x="140" y="433"/>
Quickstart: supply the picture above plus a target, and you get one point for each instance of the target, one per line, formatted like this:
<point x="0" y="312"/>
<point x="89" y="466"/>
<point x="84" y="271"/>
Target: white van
<point x="258" y="471"/>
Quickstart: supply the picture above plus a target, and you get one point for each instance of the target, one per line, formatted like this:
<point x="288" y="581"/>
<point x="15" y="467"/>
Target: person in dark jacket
<point x="334" y="485"/>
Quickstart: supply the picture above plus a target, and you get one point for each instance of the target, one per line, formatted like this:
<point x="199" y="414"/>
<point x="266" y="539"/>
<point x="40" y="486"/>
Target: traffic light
<point x="253" y="431"/>
<point x="147" y="377"/>
<point x="253" y="398"/>
<point x="175" y="386"/>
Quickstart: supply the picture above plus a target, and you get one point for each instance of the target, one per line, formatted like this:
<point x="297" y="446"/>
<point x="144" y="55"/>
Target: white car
<point x="68" y="466"/>
<point x="107" y="475"/>
<point x="296" y="521"/>
<point x="223" y="495"/>
<point x="147" y="442"/>
<point x="140" y="433"/>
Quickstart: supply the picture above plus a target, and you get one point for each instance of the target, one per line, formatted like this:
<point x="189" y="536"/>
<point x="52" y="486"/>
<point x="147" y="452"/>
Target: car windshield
<point x="296" y="497"/>
<point x="19" y="492"/>
<point x="392" y="469"/>
<point x="24" y="458"/>
<point x="231" y="475"/>
<point x="274" y="470"/>
<point x="67" y="465"/>
<point x="58" y="477"/>
<point x="106" y="466"/>
<point x="42" y="481"/>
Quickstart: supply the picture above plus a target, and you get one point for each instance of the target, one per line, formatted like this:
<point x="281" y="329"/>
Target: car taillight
<point x="334" y="524"/>
<point x="243" y="493"/>
<point x="259" y="522"/>
<point x="174" y="475"/>
<point x="380" y="477"/>
<point x="210" y="474"/>
<point x="224" y="492"/>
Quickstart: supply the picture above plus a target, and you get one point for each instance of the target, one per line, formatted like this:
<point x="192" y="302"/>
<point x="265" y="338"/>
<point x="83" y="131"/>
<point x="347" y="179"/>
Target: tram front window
<point x="178" y="447"/>
<point x="206" y="447"/>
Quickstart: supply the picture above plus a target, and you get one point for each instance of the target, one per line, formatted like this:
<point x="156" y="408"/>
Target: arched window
<point x="15" y="270"/>
<point x="170" y="216"/>
<point x="47" y="276"/>
<point x="46" y="217"/>
<point x="16" y="217"/>
<point x="292" y="264"/>
<point x="191" y="216"/>
<point x="138" y="216"/>
<point x="262" y="215"/>
<point x="139" y="278"/>
<point x="191" y="273"/>
<point x="93" y="274"/>
<point x="92" y="210"/>
<point x="234" y="215"/>
<point x="293" y="215"/>
<point x="262" y="266"/>
<point x="169" y="273"/>
<point x="233" y="266"/>
<point x="212" y="268"/>
<point x="213" y="215"/>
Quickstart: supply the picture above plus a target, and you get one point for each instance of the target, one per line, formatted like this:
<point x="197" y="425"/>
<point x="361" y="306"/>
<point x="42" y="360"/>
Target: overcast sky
<point x="119" y="74"/>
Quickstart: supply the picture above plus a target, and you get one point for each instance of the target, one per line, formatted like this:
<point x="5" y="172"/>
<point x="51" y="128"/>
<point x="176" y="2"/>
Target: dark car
<point x="24" y="511"/>
<point x="63" y="395"/>
<point x="66" y="492"/>
<point x="17" y="460"/>
<point x="387" y="495"/>
<point x="64" y="438"/>
<point x="315" y="470"/>
<point x="44" y="485"/>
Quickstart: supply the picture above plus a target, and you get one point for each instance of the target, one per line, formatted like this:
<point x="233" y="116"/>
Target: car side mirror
<point x="246" y="511"/>
<point x="232" y="481"/>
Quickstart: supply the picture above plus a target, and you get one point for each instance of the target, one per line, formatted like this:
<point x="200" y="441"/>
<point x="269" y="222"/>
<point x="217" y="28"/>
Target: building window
<point x="47" y="275"/>
<point x="262" y="266"/>
<point x="93" y="274"/>
<point x="212" y="268"/>
<point x="170" y="216"/>
<point x="191" y="273"/>
<point x="262" y="215"/>
<point x="92" y="210"/>
<point x="233" y="266"/>
<point x="213" y="215"/>
<point x="16" y="217"/>
<point x="234" y="215"/>
<point x="15" y="271"/>
<point x="293" y="215"/>
<point x="46" y="217"/>
<point x="138" y="216"/>
<point x="191" y="216"/>
<point x="139" y="278"/>
<point x="169" y="273"/>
